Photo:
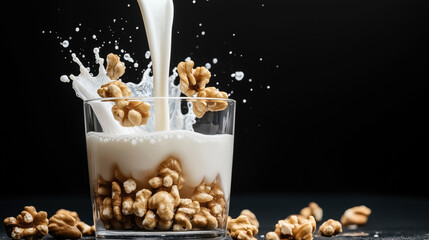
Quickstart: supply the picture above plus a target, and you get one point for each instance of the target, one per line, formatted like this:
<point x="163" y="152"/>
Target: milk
<point x="203" y="157"/>
<point x="158" y="21"/>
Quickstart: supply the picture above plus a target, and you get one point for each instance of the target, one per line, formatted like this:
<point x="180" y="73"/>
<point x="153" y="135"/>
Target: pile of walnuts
<point x="30" y="224"/>
<point x="122" y="206"/>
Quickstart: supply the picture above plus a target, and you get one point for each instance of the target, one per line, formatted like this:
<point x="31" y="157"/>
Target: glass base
<point x="194" y="234"/>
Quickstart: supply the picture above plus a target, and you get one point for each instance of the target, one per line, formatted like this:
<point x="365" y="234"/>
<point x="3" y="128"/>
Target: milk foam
<point x="203" y="157"/>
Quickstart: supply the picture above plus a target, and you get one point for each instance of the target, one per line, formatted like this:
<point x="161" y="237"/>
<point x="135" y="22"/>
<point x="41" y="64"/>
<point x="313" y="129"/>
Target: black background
<point x="333" y="100"/>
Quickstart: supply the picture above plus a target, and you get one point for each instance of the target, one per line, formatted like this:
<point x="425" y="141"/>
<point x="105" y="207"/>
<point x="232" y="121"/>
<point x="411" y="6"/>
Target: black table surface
<point x="392" y="217"/>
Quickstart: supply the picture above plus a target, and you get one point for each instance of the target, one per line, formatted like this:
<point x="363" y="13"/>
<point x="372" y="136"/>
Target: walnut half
<point x="356" y="216"/>
<point x="30" y="224"/>
<point x="330" y="227"/>
<point x="64" y="226"/>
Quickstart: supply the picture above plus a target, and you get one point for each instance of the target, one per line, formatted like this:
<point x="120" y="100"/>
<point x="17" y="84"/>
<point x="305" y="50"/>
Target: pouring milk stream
<point x="158" y="21"/>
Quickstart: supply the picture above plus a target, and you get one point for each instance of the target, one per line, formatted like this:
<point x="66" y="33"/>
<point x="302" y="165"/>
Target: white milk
<point x="203" y="157"/>
<point x="158" y="21"/>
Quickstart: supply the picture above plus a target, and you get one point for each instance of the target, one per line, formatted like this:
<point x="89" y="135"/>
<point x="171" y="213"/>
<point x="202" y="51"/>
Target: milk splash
<point x="86" y="86"/>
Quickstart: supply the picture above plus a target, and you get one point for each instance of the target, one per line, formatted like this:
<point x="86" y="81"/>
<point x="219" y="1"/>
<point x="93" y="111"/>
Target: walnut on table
<point x="292" y="228"/>
<point x="82" y="226"/>
<point x="29" y="224"/>
<point x="314" y="210"/>
<point x="330" y="227"/>
<point x="251" y="216"/>
<point x="241" y="228"/>
<point x="64" y="226"/>
<point x="356" y="216"/>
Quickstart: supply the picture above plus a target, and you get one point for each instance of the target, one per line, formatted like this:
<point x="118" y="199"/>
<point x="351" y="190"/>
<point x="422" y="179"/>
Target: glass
<point x="171" y="183"/>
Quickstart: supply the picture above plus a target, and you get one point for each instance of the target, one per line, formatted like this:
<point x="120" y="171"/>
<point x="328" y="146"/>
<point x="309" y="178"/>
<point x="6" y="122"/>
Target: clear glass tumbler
<point x="150" y="183"/>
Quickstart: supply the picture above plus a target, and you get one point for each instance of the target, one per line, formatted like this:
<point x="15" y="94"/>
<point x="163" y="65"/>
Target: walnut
<point x="312" y="210"/>
<point x="303" y="231"/>
<point x="292" y="228"/>
<point x="149" y="221"/>
<point x="115" y="68"/>
<point x="187" y="209"/>
<point x="330" y="227"/>
<point x="284" y="228"/>
<point x="130" y="185"/>
<point x="117" y="201"/>
<point x="204" y="219"/>
<point x="140" y="203"/>
<point x="115" y="88"/>
<point x="169" y="173"/>
<point x="200" y="107"/>
<point x="201" y="193"/>
<point x="83" y="227"/>
<point x="106" y="209"/>
<point x="251" y="216"/>
<point x="241" y="228"/>
<point x="356" y="216"/>
<point x="164" y="203"/>
<point x="30" y="224"/>
<point x="64" y="226"/>
<point x="131" y="113"/>
<point x="192" y="80"/>
<point x="272" y="236"/>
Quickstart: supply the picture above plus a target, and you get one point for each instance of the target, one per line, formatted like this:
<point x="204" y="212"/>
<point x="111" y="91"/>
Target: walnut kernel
<point x="29" y="224"/>
<point x="314" y="210"/>
<point x="241" y="228"/>
<point x="115" y="68"/>
<point x="192" y="80"/>
<point x="64" y="226"/>
<point x="356" y="216"/>
<point x="131" y="113"/>
<point x="330" y="227"/>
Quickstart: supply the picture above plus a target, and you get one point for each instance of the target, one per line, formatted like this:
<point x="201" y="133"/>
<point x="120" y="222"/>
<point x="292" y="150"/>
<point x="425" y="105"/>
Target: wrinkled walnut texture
<point x="64" y="226"/>
<point x="192" y="80"/>
<point x="30" y="224"/>
<point x="292" y="228"/>
<point x="241" y="228"/>
<point x="115" y="68"/>
<point x="330" y="227"/>
<point x="356" y="216"/>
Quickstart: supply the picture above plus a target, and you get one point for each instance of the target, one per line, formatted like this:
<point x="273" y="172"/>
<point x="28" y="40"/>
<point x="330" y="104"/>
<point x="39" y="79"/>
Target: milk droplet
<point x="136" y="65"/>
<point x="244" y="100"/>
<point x="65" y="43"/>
<point x="94" y="36"/>
<point x="239" y="75"/>
<point x="208" y="65"/>
<point x="77" y="29"/>
<point x="268" y="87"/>
<point x="214" y="60"/>
<point x="128" y="57"/>
<point x="64" y="79"/>
<point x="203" y="33"/>
<point x="147" y="55"/>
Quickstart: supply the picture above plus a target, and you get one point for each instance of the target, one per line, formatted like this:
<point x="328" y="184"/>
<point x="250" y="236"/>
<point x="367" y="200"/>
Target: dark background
<point x="333" y="100"/>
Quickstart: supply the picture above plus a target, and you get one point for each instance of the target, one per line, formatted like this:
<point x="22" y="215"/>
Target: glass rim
<point x="192" y="99"/>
